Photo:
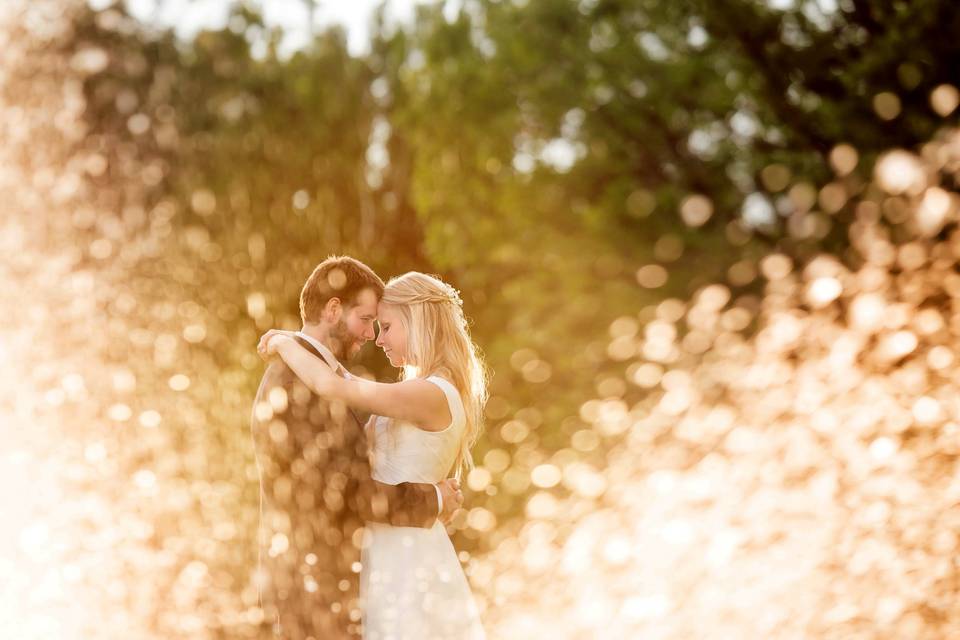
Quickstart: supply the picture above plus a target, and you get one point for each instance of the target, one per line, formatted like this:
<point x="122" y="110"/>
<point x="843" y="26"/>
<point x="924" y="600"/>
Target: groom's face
<point x="355" y="326"/>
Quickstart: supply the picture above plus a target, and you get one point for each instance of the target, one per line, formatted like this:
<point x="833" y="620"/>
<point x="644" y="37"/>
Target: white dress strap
<point x="454" y="402"/>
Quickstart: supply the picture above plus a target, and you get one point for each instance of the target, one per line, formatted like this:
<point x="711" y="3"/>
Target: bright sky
<point x="189" y="16"/>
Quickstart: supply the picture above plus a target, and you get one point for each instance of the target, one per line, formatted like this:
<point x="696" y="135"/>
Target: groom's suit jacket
<point x="316" y="492"/>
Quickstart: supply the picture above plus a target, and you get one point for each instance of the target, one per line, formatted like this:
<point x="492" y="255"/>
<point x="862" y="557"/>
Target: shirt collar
<point x="324" y="351"/>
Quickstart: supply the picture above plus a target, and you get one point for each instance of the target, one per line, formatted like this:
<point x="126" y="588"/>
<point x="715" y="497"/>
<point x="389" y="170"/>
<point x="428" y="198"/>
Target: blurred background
<point x="709" y="249"/>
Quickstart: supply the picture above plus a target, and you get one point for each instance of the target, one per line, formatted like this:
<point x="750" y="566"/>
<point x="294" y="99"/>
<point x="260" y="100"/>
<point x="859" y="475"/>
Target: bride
<point x="421" y="429"/>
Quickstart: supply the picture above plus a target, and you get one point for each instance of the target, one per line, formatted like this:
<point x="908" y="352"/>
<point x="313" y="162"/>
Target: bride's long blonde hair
<point x="439" y="343"/>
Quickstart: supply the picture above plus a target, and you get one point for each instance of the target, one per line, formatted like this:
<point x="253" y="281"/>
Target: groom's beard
<point x="344" y="344"/>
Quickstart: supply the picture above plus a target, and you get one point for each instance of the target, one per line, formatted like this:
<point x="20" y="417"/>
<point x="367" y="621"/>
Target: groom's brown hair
<point x="336" y="277"/>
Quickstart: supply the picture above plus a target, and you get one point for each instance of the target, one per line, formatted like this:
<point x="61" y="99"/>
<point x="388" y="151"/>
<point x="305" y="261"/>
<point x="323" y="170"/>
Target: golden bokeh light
<point x="900" y="172"/>
<point x="944" y="99"/>
<point x="652" y="276"/>
<point x="771" y="452"/>
<point x="696" y="210"/>
<point x="813" y="429"/>
<point x="775" y="177"/>
<point x="843" y="159"/>
<point x="887" y="105"/>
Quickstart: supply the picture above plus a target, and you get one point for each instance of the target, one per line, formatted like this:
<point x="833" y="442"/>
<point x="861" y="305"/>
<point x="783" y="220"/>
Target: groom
<point x="316" y="488"/>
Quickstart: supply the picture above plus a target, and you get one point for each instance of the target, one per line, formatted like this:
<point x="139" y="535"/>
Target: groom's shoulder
<point x="277" y="374"/>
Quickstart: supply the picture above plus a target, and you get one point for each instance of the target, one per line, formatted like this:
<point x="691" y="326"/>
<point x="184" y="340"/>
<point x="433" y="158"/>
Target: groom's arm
<point x="408" y="504"/>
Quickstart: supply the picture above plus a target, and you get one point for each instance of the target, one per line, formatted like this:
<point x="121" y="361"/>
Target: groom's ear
<point x="332" y="310"/>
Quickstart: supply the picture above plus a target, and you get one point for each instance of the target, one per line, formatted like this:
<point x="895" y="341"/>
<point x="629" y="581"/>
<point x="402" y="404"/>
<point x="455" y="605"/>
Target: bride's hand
<point x="264" y="348"/>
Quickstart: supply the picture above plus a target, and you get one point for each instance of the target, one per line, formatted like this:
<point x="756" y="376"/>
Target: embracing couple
<point x="354" y="473"/>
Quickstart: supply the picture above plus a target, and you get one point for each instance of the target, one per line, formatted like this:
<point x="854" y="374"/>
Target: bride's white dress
<point x="412" y="585"/>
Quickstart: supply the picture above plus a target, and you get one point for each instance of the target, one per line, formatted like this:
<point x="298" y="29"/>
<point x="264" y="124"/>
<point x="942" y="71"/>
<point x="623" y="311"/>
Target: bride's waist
<point x="382" y="529"/>
<point x="392" y="475"/>
<point x="392" y="468"/>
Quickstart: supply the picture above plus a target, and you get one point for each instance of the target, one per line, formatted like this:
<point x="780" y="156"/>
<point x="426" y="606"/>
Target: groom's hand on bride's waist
<point x="451" y="499"/>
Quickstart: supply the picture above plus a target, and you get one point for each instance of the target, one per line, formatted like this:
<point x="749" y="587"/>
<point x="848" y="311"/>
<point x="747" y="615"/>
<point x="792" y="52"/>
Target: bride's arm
<point x="416" y="401"/>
